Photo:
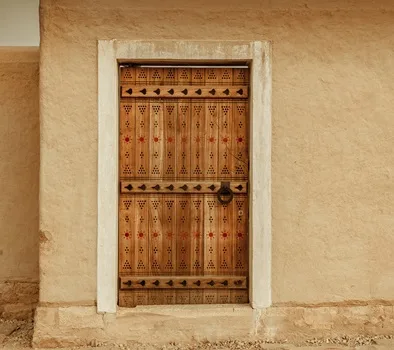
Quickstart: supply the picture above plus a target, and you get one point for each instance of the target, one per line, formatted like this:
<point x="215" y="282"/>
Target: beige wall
<point x="19" y="25"/>
<point x="332" y="160"/>
<point x="19" y="174"/>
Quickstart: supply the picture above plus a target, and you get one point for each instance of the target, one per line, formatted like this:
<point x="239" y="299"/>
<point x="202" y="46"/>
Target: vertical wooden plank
<point x="169" y="233"/>
<point x="169" y="76"/>
<point x="127" y="75"/>
<point x="197" y="232"/>
<point x="126" y="229"/>
<point x="210" y="296"/>
<point x="157" y="141"/>
<point x="226" y="155"/>
<point x="197" y="139"/>
<point x="141" y="75"/>
<point x="211" y="139"/>
<point x="224" y="296"/>
<point x="127" y="139"/>
<point x="184" y="76"/>
<point x="225" y="238"/>
<point x="183" y="234"/>
<point x="240" y="76"/>
<point x="183" y="142"/>
<point x="225" y="76"/>
<point x="126" y="298"/>
<point x="210" y="235"/>
<point x="141" y="297"/>
<point x="155" y="76"/>
<point x="212" y="76"/>
<point x="182" y="296"/>
<point x="142" y="139"/>
<point x="184" y="125"/>
<point x="241" y="254"/>
<point x="169" y="296"/>
<point x="196" y="296"/>
<point x="155" y="223"/>
<point x="239" y="296"/>
<point x="155" y="297"/>
<point x="198" y="76"/>
<point x="140" y="255"/>
<point x="240" y="140"/>
<point x="171" y="139"/>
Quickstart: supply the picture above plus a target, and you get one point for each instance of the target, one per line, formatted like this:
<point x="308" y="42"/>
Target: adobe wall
<point x="332" y="159"/>
<point x="19" y="177"/>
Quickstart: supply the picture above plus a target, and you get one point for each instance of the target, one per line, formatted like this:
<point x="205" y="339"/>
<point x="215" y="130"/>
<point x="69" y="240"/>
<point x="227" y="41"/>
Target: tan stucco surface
<point x="19" y="164"/>
<point x="332" y="159"/>
<point x="71" y="326"/>
<point x="19" y="175"/>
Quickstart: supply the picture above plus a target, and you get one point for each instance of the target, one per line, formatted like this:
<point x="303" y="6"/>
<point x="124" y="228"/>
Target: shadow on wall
<point x="19" y="181"/>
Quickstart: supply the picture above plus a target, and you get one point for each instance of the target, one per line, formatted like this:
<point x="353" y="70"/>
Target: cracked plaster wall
<point x="332" y="158"/>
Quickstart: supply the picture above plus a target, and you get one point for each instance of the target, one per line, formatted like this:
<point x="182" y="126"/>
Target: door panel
<point x="183" y="137"/>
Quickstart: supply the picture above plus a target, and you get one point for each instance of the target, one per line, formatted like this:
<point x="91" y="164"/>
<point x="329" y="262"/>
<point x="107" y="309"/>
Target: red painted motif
<point x="196" y="235"/>
<point x="225" y="235"/>
<point x="184" y="236"/>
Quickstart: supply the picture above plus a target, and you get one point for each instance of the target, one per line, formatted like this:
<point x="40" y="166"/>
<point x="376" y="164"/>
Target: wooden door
<point x="183" y="207"/>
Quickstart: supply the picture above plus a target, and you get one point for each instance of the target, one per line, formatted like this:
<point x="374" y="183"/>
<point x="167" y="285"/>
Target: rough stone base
<point x="297" y="324"/>
<point x="71" y="326"/>
<point x="18" y="299"/>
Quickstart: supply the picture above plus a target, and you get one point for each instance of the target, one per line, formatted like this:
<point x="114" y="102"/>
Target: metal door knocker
<point x="225" y="195"/>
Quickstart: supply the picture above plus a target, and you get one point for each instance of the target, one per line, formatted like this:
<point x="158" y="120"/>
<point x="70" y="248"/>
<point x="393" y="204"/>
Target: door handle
<point x="225" y="195"/>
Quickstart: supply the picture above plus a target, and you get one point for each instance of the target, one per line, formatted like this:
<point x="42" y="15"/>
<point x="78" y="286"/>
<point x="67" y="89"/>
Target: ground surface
<point x="17" y="335"/>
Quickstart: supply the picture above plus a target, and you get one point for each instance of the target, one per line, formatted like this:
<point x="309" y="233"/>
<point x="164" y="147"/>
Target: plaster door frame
<point x="257" y="54"/>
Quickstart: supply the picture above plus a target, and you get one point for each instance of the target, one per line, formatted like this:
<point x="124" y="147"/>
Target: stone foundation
<point x="301" y="323"/>
<point x="18" y="299"/>
<point x="77" y="325"/>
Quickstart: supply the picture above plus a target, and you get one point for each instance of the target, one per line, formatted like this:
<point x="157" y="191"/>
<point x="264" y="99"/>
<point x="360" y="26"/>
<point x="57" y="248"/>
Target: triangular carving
<point x="126" y="265"/>
<point x="211" y="170"/>
<point x="170" y="170"/>
<point x="225" y="171"/>
<point x="197" y="171"/>
<point x="155" y="170"/>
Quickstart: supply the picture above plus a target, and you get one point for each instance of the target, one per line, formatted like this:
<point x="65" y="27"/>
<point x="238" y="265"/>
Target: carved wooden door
<point x="183" y="207"/>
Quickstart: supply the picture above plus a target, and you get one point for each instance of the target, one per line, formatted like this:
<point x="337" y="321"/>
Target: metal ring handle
<point x="225" y="191"/>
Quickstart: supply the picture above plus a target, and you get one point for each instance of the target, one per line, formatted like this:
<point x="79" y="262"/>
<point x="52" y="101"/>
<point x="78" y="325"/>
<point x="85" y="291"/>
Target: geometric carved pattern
<point x="183" y="132"/>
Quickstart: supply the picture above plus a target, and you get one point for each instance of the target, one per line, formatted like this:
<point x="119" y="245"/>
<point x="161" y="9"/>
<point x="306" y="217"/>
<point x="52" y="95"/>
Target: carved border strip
<point x="183" y="282"/>
<point x="180" y="187"/>
<point x="186" y="91"/>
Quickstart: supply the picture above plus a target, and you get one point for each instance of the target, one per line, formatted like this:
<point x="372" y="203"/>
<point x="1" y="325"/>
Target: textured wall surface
<point x="332" y="160"/>
<point x="19" y="24"/>
<point x="19" y="178"/>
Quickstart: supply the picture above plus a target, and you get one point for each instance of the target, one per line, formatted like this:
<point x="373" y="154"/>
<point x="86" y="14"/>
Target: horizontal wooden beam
<point x="180" y="187"/>
<point x="184" y="91"/>
<point x="183" y="282"/>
